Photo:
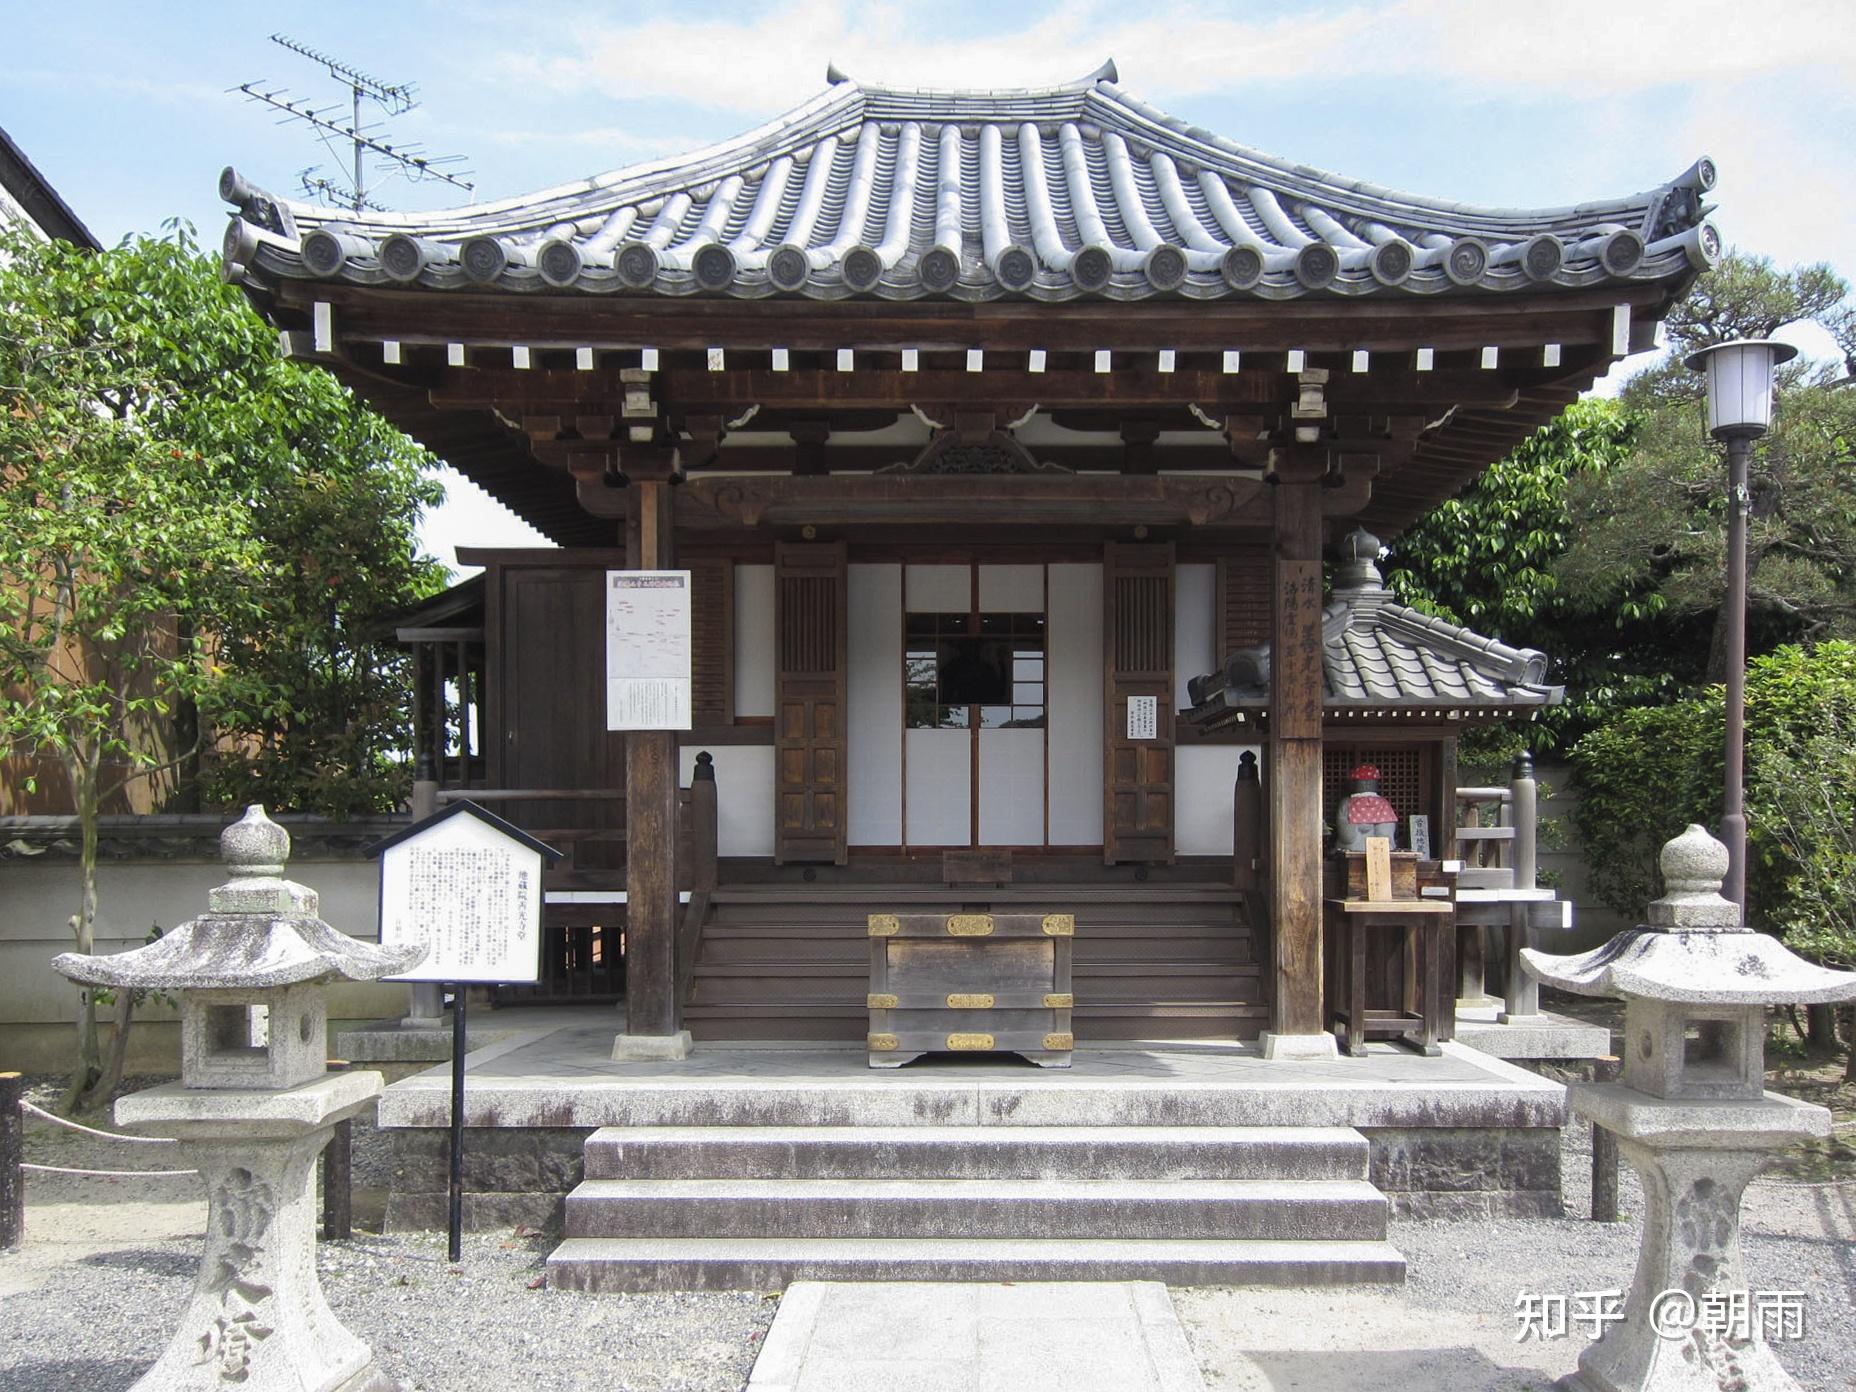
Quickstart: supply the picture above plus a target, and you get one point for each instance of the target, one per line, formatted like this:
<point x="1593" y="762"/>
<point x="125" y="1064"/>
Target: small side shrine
<point x="253" y="1109"/>
<point x="981" y="421"/>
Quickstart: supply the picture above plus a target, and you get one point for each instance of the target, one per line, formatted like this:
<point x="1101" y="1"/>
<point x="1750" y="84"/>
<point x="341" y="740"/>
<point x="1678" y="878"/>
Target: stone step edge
<point x="1042" y="1192"/>
<point x="593" y="1263"/>
<point x="1236" y="1137"/>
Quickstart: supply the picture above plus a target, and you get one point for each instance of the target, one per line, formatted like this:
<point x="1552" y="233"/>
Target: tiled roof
<point x="1381" y="655"/>
<point x="1075" y="190"/>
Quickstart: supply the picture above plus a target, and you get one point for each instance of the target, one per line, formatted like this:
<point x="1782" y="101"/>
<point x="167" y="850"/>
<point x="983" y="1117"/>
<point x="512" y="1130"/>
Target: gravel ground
<point x="88" y="1303"/>
<point x="485" y="1325"/>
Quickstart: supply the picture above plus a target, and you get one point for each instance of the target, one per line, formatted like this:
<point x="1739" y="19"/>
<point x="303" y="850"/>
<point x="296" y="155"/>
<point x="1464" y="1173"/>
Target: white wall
<point x="940" y="787"/>
<point x="1195" y="619"/>
<point x="754" y="640"/>
<point x="1073" y="674"/>
<point x="939" y="589"/>
<point x="874" y="687"/>
<point x="743" y="795"/>
<point x="1011" y="787"/>
<point x="1205" y="776"/>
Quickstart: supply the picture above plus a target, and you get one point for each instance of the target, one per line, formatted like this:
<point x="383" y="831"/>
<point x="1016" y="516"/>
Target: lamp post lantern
<point x="1739" y="412"/>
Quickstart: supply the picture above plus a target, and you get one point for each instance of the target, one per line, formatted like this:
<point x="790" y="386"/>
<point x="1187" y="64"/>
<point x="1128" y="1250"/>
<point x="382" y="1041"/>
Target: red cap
<point x="1367" y="771"/>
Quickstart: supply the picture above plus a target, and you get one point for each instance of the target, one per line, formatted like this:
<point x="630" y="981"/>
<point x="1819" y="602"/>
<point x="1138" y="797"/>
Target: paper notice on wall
<point x="648" y="650"/>
<point x="1143" y="717"/>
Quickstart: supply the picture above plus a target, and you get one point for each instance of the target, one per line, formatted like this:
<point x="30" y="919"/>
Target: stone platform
<point x="1465" y="1133"/>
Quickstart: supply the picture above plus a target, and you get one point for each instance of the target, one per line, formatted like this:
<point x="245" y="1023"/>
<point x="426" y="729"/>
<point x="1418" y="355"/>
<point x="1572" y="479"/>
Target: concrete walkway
<point x="1120" y="1336"/>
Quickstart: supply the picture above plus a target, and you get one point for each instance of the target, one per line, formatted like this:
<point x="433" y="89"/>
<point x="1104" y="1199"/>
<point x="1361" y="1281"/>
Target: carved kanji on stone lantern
<point x="1694" y="1118"/>
<point x="253" y="1114"/>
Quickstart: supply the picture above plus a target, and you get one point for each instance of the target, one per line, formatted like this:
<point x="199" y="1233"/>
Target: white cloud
<point x="776" y="59"/>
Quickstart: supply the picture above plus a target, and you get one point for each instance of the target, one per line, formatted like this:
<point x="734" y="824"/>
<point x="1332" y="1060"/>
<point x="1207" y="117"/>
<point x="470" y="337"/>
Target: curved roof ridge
<point x="1306" y="179"/>
<point x="1162" y="207"/>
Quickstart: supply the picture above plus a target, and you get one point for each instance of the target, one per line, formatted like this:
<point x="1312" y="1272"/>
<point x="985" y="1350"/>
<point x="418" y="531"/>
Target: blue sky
<point x="124" y="106"/>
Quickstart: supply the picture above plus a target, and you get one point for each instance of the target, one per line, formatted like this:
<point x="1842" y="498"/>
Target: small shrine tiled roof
<point x="1052" y="194"/>
<point x="1379" y="657"/>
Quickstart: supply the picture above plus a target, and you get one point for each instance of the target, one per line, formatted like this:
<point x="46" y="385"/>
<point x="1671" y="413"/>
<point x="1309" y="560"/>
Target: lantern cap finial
<point x="1694" y="866"/>
<point x="254" y="845"/>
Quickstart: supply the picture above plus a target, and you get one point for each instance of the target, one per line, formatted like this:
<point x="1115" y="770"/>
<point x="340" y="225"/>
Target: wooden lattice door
<point x="1137" y="641"/>
<point x="809" y="721"/>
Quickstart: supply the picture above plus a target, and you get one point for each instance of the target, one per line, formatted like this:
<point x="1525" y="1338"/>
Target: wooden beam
<point x="651" y="1004"/>
<point x="1382" y="323"/>
<point x="1294" y="787"/>
<point x="1011" y="499"/>
<point x="1006" y="390"/>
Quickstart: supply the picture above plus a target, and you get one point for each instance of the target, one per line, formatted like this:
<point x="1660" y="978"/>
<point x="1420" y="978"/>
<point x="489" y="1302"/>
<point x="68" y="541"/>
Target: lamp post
<point x="1739" y="412"/>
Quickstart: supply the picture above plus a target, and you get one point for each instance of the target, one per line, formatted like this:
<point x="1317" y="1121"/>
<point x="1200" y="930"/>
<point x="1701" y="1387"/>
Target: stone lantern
<point x="253" y="1110"/>
<point x="1693" y="1117"/>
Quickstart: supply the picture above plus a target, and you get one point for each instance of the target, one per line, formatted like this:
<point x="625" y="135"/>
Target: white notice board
<point x="470" y="894"/>
<point x="647" y="650"/>
<point x="1143" y="717"/>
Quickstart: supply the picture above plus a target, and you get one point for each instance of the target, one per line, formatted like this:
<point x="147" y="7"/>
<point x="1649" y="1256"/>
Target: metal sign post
<point x="467" y="886"/>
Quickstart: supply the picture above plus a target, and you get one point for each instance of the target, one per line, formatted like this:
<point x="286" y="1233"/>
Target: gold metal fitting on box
<point x="882" y="1043"/>
<point x="880" y="1002"/>
<point x="1059" y="1041"/>
<point x="1060" y="925"/>
<point x="973" y="1002"/>
<point x="884" y="925"/>
<point x="1059" y="1000"/>
<point x="969" y="925"/>
<point x="969" y="1041"/>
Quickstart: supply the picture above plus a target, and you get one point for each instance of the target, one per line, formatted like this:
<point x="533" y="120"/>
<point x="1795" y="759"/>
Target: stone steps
<point x="1155" y="1153"/>
<point x="648" y="1264"/>
<point x="1245" y="1209"/>
<point x="744" y="1206"/>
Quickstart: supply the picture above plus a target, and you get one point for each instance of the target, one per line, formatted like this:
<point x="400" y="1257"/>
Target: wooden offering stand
<point x="1385" y="889"/>
<point x="970" y="982"/>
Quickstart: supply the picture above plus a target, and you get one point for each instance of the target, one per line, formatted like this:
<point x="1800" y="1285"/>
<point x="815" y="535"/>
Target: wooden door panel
<point x="1137" y="642"/>
<point x="553" y="683"/>
<point x="810" y="617"/>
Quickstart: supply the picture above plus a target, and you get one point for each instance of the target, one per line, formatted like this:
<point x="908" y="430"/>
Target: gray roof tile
<point x="1051" y="194"/>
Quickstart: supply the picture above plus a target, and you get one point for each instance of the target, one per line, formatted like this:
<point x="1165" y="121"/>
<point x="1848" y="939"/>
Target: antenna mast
<point x="391" y="98"/>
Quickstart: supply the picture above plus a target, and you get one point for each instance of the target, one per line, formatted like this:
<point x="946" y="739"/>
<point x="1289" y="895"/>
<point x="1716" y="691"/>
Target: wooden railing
<point x="701" y="825"/>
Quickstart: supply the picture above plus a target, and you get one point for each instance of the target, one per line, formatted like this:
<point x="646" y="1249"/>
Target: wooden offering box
<point x="970" y="982"/>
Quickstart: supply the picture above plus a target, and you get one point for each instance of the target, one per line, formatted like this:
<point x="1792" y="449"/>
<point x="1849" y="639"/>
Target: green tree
<point x="1487" y="559"/>
<point x="1655" y="525"/>
<point x="172" y="496"/>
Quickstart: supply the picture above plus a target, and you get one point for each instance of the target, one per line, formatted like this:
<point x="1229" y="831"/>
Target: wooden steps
<point x="1150" y="961"/>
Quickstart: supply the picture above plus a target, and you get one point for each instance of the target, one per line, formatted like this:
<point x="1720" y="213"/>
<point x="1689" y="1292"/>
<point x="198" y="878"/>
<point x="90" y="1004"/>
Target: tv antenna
<point x="388" y="98"/>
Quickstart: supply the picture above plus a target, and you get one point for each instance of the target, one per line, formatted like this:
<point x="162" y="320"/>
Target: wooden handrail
<point x="705" y="869"/>
<point x="531" y="795"/>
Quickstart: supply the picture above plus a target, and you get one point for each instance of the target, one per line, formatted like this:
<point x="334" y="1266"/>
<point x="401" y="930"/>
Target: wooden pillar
<point x="1294" y="791"/>
<point x="653" y="1015"/>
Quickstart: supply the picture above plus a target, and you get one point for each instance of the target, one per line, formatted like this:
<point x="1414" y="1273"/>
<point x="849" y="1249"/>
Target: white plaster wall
<point x="1011" y="787"/>
<point x="940" y="787"/>
<point x="874" y="685"/>
<point x="939" y="589"/>
<point x="1011" y="589"/>
<point x="754" y="640"/>
<point x="38" y="897"/>
<point x="1195" y="617"/>
<point x="1074" y="712"/>
<point x="743" y="796"/>
<point x="1205" y="776"/>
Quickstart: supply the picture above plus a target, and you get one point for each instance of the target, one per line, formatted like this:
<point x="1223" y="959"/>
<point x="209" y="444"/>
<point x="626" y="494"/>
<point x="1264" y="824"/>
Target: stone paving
<point x="564" y="1077"/>
<point x="927" y="1337"/>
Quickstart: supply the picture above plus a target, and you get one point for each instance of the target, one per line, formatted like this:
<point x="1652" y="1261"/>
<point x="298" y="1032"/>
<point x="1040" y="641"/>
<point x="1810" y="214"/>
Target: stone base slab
<point x="398" y="1041"/>
<point x="651" y="1048"/>
<point x="1297" y="1048"/>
